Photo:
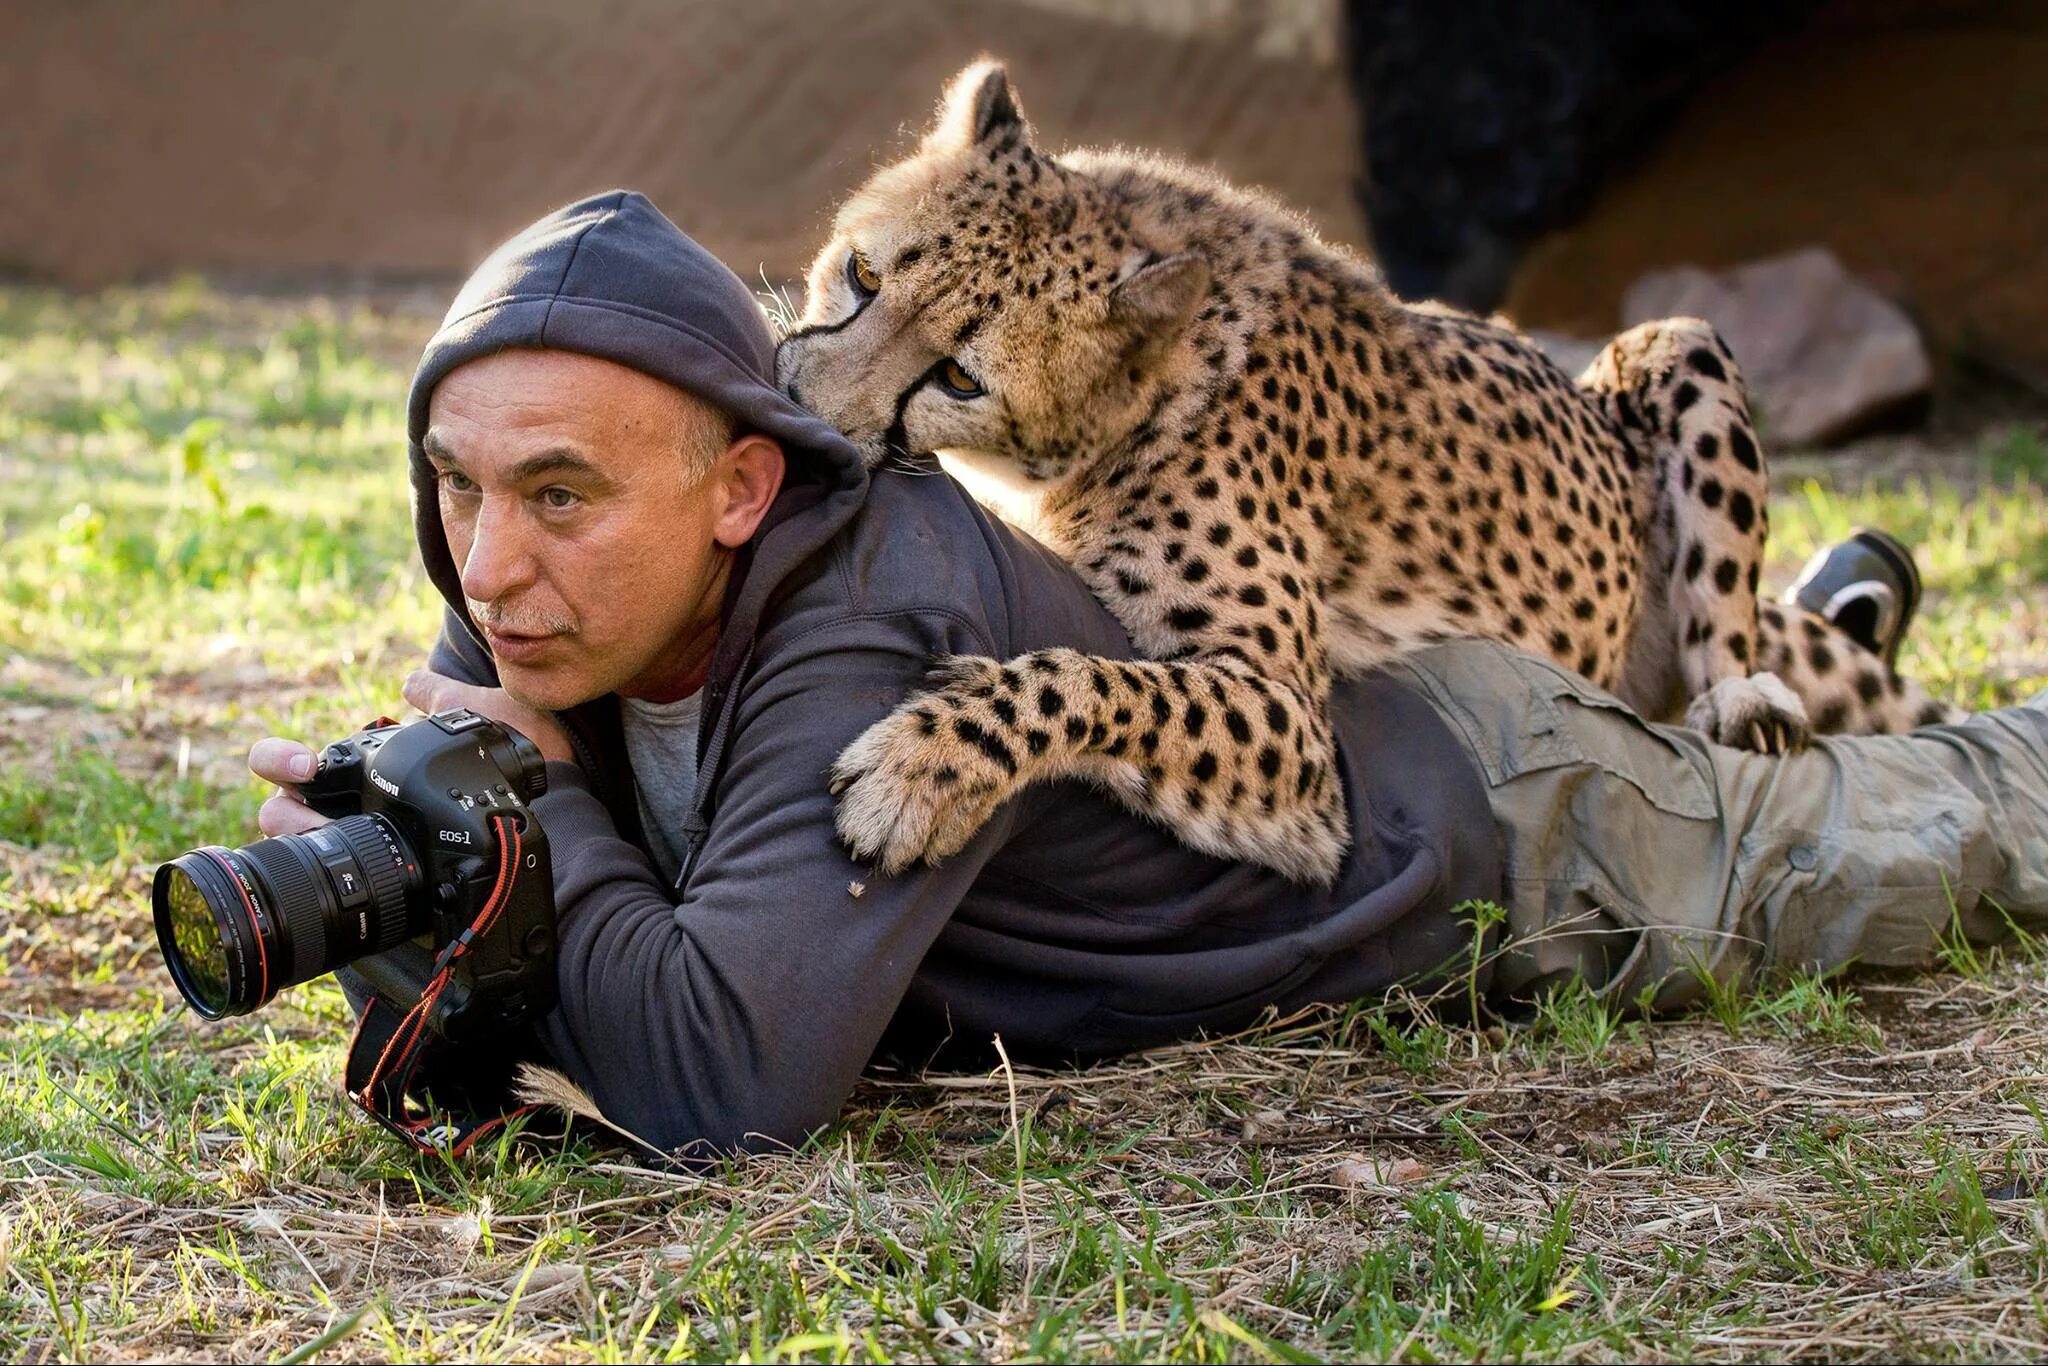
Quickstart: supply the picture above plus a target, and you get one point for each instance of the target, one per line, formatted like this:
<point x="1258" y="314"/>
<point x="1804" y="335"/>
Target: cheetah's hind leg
<point x="1672" y="389"/>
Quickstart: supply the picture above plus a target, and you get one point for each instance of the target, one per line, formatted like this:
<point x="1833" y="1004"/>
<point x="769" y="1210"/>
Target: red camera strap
<point x="387" y="1046"/>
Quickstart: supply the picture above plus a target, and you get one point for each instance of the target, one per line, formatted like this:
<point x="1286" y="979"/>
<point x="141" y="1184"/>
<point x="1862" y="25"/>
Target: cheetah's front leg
<point x="1235" y="765"/>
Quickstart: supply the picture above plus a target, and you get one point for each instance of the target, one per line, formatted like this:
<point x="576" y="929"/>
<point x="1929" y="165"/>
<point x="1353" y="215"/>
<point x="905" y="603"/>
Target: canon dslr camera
<point x="431" y="841"/>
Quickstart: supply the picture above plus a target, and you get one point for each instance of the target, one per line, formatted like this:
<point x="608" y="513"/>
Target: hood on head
<point x="611" y="277"/>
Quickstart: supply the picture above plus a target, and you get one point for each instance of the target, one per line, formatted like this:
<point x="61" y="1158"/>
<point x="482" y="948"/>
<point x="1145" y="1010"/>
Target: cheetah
<point x="1273" y="472"/>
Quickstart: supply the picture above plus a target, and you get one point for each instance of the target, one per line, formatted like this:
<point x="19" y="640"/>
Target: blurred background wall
<point x="395" y="137"/>
<point x="1534" y="154"/>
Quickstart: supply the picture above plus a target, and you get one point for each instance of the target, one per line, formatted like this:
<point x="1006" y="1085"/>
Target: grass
<point x="205" y="540"/>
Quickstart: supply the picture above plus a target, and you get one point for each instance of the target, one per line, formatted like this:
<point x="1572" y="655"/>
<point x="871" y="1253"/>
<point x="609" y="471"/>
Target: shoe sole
<point x="1894" y="553"/>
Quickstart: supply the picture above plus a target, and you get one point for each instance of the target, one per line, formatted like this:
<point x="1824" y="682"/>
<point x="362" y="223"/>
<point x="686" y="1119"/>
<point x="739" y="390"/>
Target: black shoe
<point x="1867" y="586"/>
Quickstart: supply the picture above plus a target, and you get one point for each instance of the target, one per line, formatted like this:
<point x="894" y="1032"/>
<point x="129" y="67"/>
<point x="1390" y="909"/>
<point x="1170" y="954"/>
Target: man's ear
<point x="978" y="108"/>
<point x="1156" y="301"/>
<point x="748" y="476"/>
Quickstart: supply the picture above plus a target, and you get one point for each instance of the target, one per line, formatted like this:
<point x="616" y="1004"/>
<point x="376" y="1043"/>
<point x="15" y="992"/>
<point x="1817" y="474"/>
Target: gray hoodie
<point x="740" y="1005"/>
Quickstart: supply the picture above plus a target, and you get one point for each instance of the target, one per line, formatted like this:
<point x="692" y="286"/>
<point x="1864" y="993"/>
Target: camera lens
<point x="237" y="926"/>
<point x="197" y="952"/>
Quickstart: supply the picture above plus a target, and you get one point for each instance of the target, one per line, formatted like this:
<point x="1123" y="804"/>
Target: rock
<point x="1823" y="353"/>
<point x="1570" y="354"/>
<point x="1357" y="1172"/>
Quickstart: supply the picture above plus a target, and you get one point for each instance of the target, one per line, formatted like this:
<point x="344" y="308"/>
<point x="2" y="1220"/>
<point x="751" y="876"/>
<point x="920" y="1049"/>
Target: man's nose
<point x="500" y="557"/>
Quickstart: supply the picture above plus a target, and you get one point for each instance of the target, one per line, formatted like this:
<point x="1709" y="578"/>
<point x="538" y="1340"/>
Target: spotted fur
<point x="1273" y="472"/>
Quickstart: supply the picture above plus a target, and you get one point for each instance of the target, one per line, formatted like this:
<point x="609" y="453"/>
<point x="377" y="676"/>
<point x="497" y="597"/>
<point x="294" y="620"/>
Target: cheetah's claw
<point x="1757" y="713"/>
<point x="1774" y="736"/>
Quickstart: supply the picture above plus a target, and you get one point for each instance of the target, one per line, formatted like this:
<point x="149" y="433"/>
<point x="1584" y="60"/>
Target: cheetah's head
<point x="983" y="297"/>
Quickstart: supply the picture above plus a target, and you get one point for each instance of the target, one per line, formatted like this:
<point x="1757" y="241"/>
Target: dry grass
<point x="1835" y="1180"/>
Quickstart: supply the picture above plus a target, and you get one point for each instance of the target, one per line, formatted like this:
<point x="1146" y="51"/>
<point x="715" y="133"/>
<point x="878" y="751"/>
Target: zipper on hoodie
<point x="586" y="756"/>
<point x="696" y="821"/>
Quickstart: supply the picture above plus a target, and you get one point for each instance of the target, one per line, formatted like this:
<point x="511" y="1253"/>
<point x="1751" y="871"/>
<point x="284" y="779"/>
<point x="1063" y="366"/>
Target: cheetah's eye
<point x="957" y="383"/>
<point x="862" y="276"/>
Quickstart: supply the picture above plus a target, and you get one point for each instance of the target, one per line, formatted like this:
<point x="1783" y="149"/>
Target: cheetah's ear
<point x="978" y="108"/>
<point x="1157" y="300"/>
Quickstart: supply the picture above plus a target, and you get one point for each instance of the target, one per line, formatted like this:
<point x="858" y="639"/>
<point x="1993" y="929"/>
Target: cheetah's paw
<point x="1755" y="713"/>
<point x="910" y="790"/>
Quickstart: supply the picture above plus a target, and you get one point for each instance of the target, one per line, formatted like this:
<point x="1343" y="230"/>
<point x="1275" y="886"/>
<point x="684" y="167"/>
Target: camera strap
<point x="386" y="1049"/>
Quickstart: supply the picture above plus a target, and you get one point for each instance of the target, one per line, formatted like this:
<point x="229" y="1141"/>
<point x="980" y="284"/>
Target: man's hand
<point x="284" y="762"/>
<point x="432" y="692"/>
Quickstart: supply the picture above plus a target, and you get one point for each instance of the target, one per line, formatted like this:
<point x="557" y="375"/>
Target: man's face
<point x="590" y="554"/>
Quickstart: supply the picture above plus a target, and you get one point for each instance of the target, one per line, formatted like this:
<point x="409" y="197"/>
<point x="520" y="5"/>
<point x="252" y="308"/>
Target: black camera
<point x="431" y="841"/>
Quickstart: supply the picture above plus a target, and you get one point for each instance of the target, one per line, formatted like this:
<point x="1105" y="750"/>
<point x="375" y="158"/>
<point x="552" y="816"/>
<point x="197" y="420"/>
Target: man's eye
<point x="862" y="276"/>
<point x="957" y="383"/>
<point x="457" y="481"/>
<point x="559" y="498"/>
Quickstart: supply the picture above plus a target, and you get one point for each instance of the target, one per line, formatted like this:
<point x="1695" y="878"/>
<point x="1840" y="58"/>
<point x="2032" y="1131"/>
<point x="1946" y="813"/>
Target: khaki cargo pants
<point x="1641" y="856"/>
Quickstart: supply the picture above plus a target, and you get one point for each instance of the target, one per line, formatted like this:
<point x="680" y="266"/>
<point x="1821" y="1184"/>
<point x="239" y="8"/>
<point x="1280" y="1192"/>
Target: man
<point x="690" y="594"/>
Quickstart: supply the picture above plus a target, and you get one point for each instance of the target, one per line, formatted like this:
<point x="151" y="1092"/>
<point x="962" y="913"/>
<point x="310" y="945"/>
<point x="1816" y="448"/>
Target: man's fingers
<point x="285" y="814"/>
<point x="418" y="689"/>
<point x="431" y="692"/>
<point x="281" y="761"/>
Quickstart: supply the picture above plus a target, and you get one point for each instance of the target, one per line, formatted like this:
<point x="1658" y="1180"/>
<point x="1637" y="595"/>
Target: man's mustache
<point x="504" y="623"/>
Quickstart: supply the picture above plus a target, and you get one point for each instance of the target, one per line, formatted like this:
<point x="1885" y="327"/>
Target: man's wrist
<point x="564" y="773"/>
